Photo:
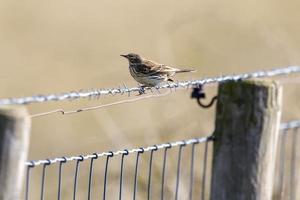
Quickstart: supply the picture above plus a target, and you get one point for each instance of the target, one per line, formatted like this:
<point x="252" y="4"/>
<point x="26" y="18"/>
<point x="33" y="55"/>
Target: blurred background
<point x="58" y="46"/>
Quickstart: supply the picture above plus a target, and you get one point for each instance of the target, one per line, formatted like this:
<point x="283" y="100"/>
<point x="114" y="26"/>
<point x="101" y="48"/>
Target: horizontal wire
<point x="96" y="155"/>
<point x="68" y="112"/>
<point x="283" y="126"/>
<point x="290" y="125"/>
<point x="124" y="89"/>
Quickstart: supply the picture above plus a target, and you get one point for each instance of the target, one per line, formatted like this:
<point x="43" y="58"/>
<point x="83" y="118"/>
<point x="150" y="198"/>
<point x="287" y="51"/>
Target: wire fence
<point x="121" y="90"/>
<point x="118" y="185"/>
<point x="288" y="163"/>
<point x="151" y="172"/>
<point x="175" y="170"/>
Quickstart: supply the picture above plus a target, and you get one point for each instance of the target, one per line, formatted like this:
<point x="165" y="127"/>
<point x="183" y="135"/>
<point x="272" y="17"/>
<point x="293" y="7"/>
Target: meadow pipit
<point x="150" y="73"/>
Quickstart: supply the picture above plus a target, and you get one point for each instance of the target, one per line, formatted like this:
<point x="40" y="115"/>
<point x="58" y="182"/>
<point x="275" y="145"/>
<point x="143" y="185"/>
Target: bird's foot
<point x="142" y="90"/>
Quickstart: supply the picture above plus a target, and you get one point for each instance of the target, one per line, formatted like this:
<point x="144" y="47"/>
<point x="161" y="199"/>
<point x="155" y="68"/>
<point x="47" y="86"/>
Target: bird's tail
<point x="185" y="70"/>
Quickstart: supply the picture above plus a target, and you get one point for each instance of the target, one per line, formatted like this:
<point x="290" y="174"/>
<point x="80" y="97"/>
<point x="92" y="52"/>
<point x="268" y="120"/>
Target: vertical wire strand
<point x="150" y="173"/>
<point x="43" y="179"/>
<point x="282" y="164"/>
<point x="76" y="177"/>
<point x="192" y="172"/>
<point x="204" y="171"/>
<point x="27" y="182"/>
<point x="163" y="172"/>
<point x="105" y="174"/>
<point x="136" y="172"/>
<point x="121" y="173"/>
<point x="59" y="178"/>
<point x="90" y="176"/>
<point x="43" y="182"/>
<point x="293" y="174"/>
<point x="178" y="170"/>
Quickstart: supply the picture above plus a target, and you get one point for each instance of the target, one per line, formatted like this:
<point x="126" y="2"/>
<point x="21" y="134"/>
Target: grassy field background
<point x="57" y="46"/>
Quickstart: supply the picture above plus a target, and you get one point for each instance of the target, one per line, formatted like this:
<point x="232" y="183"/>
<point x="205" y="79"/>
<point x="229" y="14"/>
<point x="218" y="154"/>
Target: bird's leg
<point x="142" y="89"/>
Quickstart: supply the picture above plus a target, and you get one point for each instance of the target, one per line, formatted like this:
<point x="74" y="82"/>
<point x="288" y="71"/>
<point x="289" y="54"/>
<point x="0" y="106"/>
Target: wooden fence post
<point x="247" y="129"/>
<point x="14" y="142"/>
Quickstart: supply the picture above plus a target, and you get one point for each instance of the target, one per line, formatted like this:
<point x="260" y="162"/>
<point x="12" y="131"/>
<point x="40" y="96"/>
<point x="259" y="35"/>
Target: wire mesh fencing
<point x="178" y="170"/>
<point x="168" y="171"/>
<point x="287" y="185"/>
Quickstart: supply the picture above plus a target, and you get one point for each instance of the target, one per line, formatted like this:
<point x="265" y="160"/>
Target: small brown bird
<point x="150" y="73"/>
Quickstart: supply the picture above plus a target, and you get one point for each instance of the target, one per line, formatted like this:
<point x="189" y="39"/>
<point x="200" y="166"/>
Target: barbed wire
<point x="96" y="93"/>
<point x="110" y="153"/>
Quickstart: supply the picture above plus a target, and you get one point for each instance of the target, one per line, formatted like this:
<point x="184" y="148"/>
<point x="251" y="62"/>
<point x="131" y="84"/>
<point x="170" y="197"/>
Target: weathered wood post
<point x="247" y="129"/>
<point x="14" y="140"/>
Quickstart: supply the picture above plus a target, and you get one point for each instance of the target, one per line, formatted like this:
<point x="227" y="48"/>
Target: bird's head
<point x="133" y="58"/>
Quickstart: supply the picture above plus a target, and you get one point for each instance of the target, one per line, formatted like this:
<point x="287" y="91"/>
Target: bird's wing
<point x="153" y="68"/>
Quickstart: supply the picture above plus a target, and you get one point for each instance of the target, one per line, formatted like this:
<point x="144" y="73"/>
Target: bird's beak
<point x="124" y="55"/>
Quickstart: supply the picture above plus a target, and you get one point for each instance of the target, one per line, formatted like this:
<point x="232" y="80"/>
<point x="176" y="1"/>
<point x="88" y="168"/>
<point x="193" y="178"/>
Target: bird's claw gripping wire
<point x="141" y="90"/>
<point x="199" y="94"/>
